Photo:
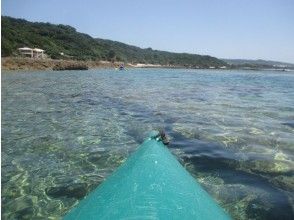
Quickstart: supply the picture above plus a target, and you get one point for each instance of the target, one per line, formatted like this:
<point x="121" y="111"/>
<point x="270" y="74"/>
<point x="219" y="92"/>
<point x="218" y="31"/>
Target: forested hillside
<point x="64" y="42"/>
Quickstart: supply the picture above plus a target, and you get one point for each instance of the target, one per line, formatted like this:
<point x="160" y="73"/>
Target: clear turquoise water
<point x="64" y="132"/>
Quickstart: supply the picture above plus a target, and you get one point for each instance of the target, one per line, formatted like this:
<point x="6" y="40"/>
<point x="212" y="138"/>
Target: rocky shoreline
<point x="18" y="63"/>
<point x="61" y="67"/>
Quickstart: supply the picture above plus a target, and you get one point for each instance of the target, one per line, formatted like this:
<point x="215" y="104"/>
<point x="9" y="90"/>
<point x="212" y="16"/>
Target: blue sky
<point x="259" y="29"/>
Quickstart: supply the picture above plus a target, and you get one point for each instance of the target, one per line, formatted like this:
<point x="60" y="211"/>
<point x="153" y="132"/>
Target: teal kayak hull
<point x="151" y="184"/>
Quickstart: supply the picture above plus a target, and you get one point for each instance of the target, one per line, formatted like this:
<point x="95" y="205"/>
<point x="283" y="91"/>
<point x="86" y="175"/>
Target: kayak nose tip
<point x="153" y="134"/>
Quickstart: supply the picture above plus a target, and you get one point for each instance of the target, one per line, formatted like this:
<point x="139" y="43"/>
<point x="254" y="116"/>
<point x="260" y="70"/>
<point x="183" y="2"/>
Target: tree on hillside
<point x="111" y="55"/>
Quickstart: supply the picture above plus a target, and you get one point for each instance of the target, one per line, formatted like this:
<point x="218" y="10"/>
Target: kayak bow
<point x="151" y="184"/>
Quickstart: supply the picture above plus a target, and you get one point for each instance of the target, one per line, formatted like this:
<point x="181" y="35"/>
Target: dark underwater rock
<point x="20" y="208"/>
<point x="77" y="190"/>
<point x="289" y="123"/>
<point x="257" y="209"/>
<point x="283" y="182"/>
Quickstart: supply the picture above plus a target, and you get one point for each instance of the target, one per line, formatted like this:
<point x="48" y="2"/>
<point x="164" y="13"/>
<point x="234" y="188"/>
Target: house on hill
<point x="32" y="52"/>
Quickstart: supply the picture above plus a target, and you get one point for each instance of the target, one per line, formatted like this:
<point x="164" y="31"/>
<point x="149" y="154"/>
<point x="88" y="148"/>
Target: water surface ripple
<point x="65" y="132"/>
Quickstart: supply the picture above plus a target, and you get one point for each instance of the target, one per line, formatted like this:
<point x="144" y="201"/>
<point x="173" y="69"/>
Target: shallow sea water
<point x="65" y="132"/>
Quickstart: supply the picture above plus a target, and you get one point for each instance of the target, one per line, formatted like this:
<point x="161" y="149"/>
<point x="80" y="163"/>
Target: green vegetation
<point x="64" y="39"/>
<point x="258" y="64"/>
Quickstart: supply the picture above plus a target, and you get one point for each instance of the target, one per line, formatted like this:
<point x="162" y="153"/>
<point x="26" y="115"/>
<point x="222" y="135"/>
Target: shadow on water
<point x="213" y="159"/>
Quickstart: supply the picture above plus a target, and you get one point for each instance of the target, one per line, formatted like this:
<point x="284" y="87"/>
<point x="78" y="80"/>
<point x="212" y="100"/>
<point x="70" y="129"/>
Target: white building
<point x="32" y="53"/>
<point x="38" y="53"/>
<point x="26" y="51"/>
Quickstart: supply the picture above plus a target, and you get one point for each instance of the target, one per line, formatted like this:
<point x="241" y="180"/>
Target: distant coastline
<point x="22" y="63"/>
